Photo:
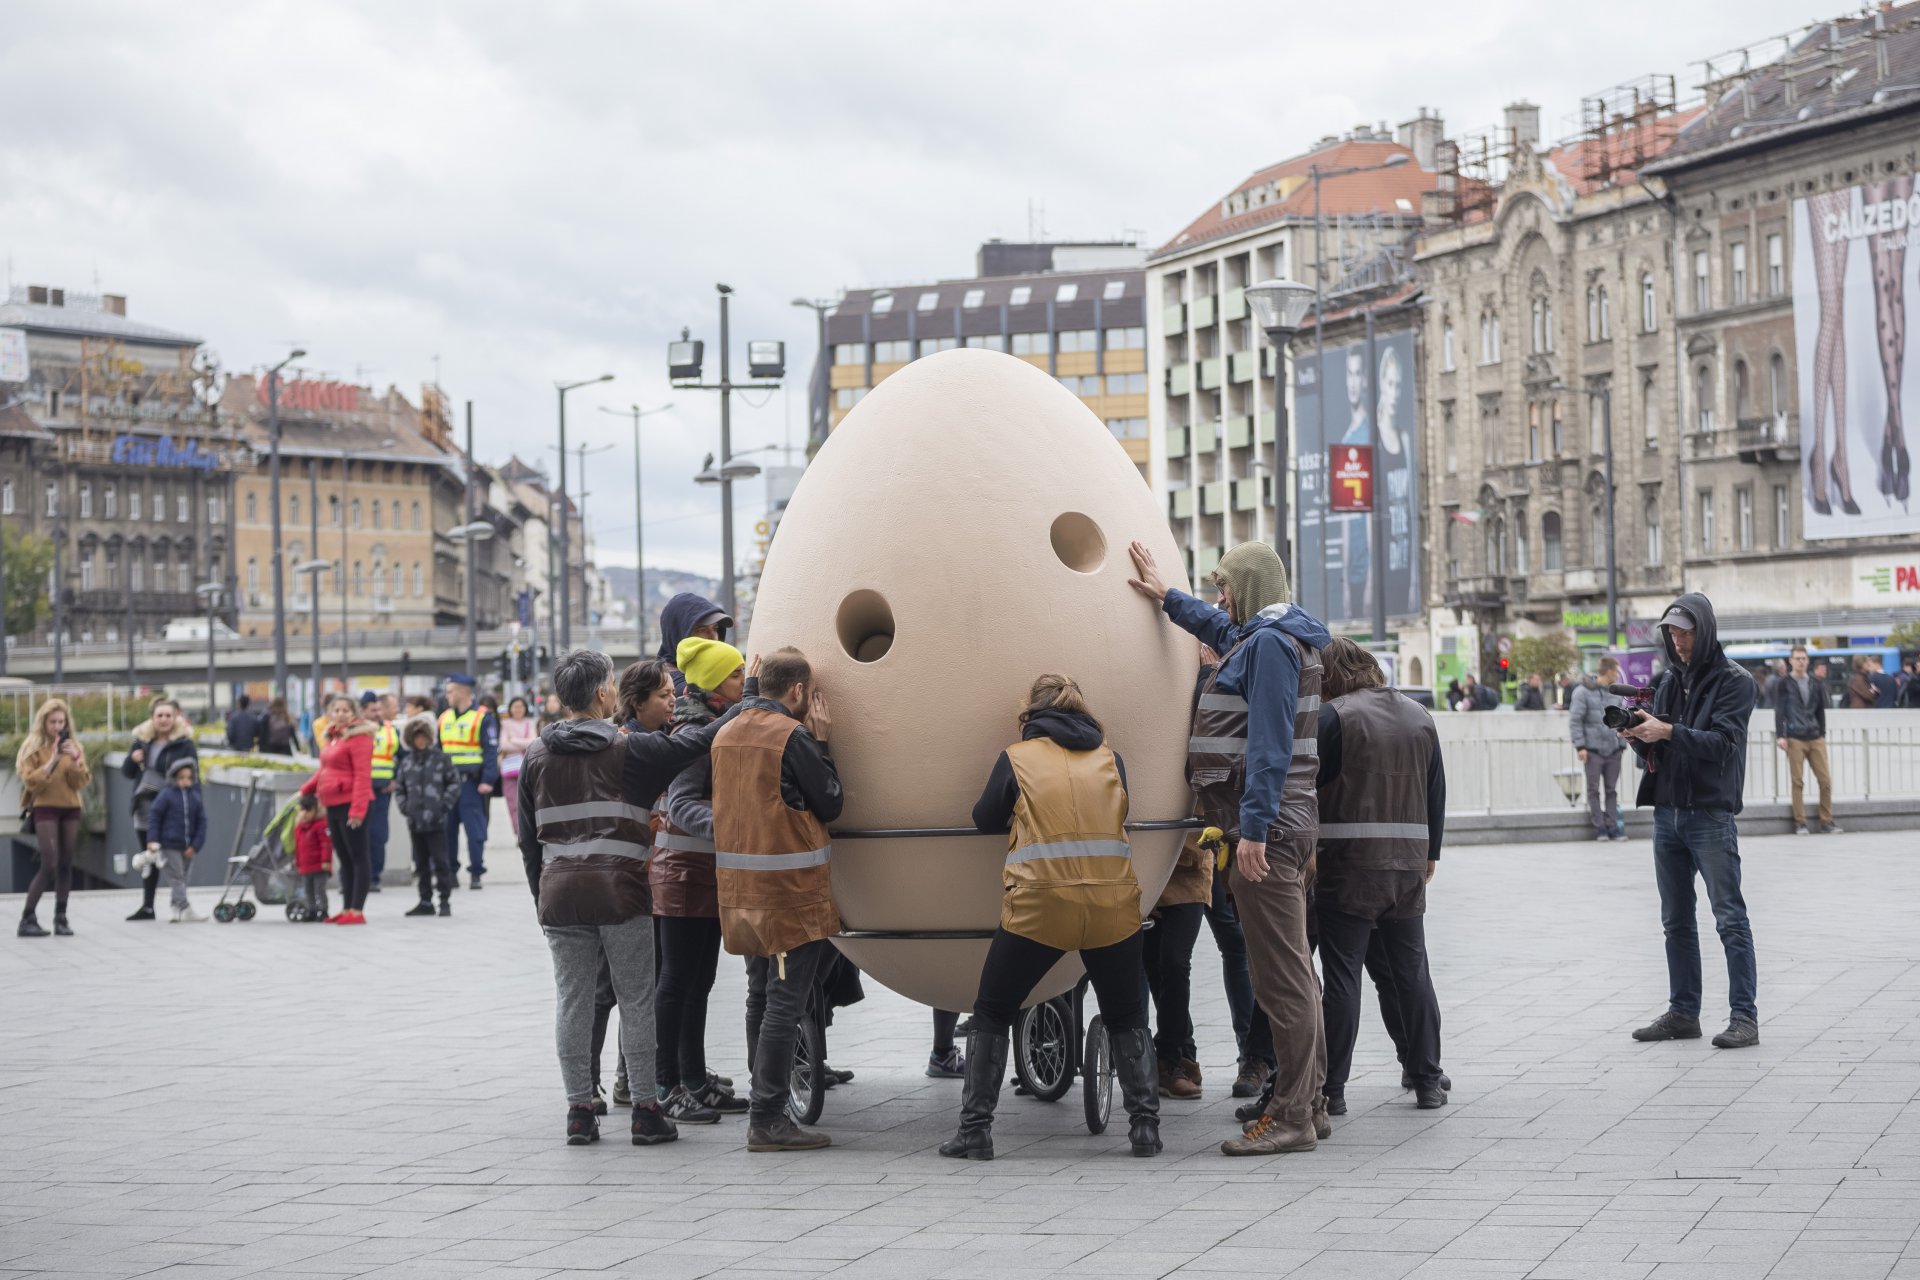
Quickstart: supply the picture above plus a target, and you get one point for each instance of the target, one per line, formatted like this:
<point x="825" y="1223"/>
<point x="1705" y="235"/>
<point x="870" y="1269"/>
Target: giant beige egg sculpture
<point x="964" y="530"/>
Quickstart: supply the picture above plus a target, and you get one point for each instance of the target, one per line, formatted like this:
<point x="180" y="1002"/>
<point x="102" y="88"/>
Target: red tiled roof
<point x="1377" y="192"/>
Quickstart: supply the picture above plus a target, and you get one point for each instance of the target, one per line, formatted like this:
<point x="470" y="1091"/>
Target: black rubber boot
<point x="30" y="927"/>
<point x="61" y="929"/>
<point x="1134" y="1063"/>
<point x="979" y="1095"/>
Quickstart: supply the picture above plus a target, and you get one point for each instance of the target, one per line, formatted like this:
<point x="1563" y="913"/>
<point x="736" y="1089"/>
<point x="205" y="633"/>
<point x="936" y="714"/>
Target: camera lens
<point x="1616" y="717"/>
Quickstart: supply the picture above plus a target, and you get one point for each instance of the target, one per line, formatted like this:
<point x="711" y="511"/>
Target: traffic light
<point x="523" y="665"/>
<point x="1503" y="668"/>
<point x="504" y="666"/>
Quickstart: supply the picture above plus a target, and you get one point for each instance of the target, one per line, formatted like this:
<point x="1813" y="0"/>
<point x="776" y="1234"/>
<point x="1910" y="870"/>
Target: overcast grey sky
<point x="533" y="192"/>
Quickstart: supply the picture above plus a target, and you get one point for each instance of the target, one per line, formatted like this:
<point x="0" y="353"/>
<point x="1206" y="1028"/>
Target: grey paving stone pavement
<point x="308" y="1101"/>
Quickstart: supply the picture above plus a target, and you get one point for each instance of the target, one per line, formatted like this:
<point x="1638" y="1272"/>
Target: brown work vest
<point x="684" y="883"/>
<point x="1217" y="755"/>
<point x="773" y="862"/>
<point x="1069" y="872"/>
<point x="1373" y="816"/>
<point x="593" y="844"/>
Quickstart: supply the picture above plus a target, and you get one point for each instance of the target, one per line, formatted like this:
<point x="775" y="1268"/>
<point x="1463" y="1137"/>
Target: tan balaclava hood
<point x="1257" y="578"/>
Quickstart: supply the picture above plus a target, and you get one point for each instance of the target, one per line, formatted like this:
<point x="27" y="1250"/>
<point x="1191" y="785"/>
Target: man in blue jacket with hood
<point x="1694" y="748"/>
<point x="689" y="614"/>
<point x="1251" y="760"/>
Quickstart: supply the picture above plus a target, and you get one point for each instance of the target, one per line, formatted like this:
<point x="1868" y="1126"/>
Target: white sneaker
<point x="187" y="915"/>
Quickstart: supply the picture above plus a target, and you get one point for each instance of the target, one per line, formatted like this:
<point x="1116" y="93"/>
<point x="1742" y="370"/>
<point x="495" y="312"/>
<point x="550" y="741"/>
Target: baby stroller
<point x="266" y="868"/>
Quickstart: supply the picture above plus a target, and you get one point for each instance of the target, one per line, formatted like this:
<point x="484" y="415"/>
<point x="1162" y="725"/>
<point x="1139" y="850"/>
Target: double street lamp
<point x="210" y="593"/>
<point x="314" y="568"/>
<point x="566" y="593"/>
<point x="273" y="500"/>
<point x="468" y="535"/>
<point x="1278" y="308"/>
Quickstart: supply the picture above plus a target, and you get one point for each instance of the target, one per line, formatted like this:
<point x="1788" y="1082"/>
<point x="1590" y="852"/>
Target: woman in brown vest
<point x="1061" y="795"/>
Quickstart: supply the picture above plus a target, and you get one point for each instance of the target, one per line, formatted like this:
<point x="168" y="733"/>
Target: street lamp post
<point x="211" y="593"/>
<point x="566" y="618"/>
<point x="1319" y="175"/>
<point x="474" y="531"/>
<point x="586" y="602"/>
<point x="765" y="360"/>
<point x="313" y="569"/>
<point x="1278" y="308"/>
<point x="639" y="525"/>
<point x="346" y="462"/>
<point x="818" y="411"/>
<point x="273" y="500"/>
<point x="1604" y="393"/>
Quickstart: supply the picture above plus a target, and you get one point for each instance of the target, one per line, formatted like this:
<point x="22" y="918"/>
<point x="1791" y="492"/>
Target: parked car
<point x="196" y="629"/>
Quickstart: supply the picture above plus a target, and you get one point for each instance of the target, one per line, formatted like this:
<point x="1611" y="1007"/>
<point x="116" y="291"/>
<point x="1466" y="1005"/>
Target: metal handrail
<point x="915" y="833"/>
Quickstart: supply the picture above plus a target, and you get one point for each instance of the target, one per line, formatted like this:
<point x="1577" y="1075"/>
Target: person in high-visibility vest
<point x="386" y="749"/>
<point x="471" y="738"/>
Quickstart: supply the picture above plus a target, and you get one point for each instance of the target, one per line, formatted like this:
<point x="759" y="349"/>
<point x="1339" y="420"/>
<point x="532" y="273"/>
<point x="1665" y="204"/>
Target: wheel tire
<point x="246" y="910"/>
<point x="1096" y="1077"/>
<point x="296" y="912"/>
<point x="223" y="912"/>
<point x="807" y="1084"/>
<point x="1042" y="1050"/>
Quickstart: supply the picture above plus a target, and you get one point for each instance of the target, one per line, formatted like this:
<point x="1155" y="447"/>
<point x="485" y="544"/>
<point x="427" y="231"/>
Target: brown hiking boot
<point x="1269" y="1137"/>
<point x="1322" y="1124"/>
<point x="1176" y="1083"/>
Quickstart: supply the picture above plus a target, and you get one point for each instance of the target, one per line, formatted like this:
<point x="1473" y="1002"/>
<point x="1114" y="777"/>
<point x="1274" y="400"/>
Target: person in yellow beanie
<point x="686" y="902"/>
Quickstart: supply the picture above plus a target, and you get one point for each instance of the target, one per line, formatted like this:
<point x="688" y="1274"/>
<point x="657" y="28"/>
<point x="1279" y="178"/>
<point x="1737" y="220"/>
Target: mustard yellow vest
<point x="1069" y="873"/>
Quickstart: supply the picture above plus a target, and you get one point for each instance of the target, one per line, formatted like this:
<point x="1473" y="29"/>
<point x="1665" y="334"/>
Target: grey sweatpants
<point x="173" y="872"/>
<point x="577" y="953"/>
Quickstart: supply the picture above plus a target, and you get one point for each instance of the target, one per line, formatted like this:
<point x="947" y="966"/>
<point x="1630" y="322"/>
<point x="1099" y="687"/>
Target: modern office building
<point x="1211" y="373"/>
<point x="1073" y="309"/>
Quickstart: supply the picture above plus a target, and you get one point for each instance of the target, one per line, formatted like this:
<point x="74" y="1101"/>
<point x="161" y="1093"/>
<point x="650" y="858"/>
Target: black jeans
<point x="944" y="1021"/>
<point x="431" y="863"/>
<point x="58" y="834"/>
<point x="1015" y="966"/>
<point x="690" y="957"/>
<point x="1251" y="1030"/>
<point x="349" y="856"/>
<point x="773" y="1028"/>
<point x="1345" y="943"/>
<point x="1167" y="954"/>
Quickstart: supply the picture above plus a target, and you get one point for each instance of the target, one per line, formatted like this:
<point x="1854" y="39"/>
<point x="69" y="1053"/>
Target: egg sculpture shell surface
<point x="964" y="530"/>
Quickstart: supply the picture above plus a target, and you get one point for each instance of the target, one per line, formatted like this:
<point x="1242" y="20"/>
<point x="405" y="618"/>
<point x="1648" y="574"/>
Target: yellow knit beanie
<point x="707" y="663"/>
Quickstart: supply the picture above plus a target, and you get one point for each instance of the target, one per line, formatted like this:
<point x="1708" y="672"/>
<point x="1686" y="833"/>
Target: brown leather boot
<point x="1322" y="1123"/>
<point x="1176" y="1083"/>
<point x="1269" y="1137"/>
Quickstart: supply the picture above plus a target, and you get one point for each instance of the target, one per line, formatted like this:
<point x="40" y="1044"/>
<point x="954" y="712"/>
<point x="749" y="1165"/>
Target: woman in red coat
<point x="344" y="784"/>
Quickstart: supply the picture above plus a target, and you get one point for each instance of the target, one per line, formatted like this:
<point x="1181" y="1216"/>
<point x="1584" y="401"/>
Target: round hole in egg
<point x="865" y="625"/>
<point x="1078" y="542"/>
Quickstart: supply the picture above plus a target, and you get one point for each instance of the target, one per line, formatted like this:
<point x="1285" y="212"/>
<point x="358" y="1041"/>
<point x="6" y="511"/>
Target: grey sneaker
<point x="1832" y="829"/>
<point x="1670" y="1026"/>
<point x="1799" y="828"/>
<point x="1741" y="1033"/>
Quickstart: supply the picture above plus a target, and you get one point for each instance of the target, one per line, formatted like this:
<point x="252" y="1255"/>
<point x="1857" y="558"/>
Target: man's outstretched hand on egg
<point x="1149" y="583"/>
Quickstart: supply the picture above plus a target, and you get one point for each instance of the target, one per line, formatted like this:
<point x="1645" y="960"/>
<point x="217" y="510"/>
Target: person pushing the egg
<point x="1251" y="762"/>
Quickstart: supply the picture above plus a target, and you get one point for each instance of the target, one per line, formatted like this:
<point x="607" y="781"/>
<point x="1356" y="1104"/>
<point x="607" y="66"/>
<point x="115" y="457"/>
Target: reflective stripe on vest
<point x="460" y="736"/>
<point x="386" y="745"/>
<point x="1374" y="831"/>
<point x="681" y="842"/>
<point x="1071" y="849"/>
<point x="773" y="861"/>
<point x="591" y="809"/>
<point x="588" y="848"/>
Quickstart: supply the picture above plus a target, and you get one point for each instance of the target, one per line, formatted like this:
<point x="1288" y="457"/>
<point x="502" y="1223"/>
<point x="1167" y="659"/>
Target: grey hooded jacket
<point x="1585" y="722"/>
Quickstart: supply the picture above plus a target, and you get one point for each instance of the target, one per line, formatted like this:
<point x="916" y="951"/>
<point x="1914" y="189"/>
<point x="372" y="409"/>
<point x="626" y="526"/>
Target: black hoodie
<point x="683" y="613"/>
<point x="1074" y="730"/>
<point x="1709" y="702"/>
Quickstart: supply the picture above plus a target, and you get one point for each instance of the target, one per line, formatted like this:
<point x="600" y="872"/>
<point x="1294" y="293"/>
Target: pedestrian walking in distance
<point x="1599" y="747"/>
<point x="1694" y="744"/>
<point x="53" y="774"/>
<point x="1800" y="730"/>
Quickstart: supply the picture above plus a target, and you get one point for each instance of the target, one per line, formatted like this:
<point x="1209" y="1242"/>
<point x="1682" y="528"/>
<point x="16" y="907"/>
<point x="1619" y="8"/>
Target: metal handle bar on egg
<point x="912" y="833"/>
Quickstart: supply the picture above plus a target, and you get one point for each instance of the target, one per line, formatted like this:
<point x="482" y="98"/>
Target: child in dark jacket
<point x="313" y="856"/>
<point x="427" y="788"/>
<point x="176" y="830"/>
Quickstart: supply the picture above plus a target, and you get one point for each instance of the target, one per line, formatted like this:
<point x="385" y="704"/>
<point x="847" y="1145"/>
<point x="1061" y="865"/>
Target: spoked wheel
<point x="1096" y="1077"/>
<point x="297" y="912"/>
<point x="245" y="910"/>
<point x="223" y="912"/>
<point x="807" y="1083"/>
<point x="1043" y="1049"/>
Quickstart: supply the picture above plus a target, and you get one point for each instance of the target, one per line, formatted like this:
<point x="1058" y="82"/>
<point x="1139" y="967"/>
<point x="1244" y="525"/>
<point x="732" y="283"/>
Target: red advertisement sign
<point x="1351" y="466"/>
<point x="337" y="396"/>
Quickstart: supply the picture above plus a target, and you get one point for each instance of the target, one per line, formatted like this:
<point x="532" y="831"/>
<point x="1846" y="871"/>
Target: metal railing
<point x="449" y="637"/>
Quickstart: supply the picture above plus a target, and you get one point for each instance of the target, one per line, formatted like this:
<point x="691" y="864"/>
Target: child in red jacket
<point x="313" y="856"/>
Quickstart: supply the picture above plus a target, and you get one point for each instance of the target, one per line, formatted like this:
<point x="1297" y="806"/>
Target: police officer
<point x="471" y="738"/>
<point x="386" y="749"/>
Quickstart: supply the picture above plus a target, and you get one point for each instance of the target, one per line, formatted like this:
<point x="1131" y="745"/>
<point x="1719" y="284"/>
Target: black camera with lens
<point x="1635" y="710"/>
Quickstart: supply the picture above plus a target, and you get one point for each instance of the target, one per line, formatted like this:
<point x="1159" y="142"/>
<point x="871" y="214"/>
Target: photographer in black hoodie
<point x="1693" y="743"/>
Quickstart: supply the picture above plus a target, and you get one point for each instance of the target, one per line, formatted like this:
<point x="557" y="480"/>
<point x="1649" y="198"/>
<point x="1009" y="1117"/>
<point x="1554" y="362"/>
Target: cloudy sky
<point x="512" y="194"/>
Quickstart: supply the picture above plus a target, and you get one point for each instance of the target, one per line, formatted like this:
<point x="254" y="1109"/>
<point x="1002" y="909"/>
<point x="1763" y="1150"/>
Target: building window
<point x="1128" y="428"/>
<point x="1533" y="431"/>
<point x="396" y="514"/>
<point x="1446" y="346"/>
<point x="1706" y="521"/>
<point x="1776" y="266"/>
<point x="1777" y="386"/>
<point x="1649" y="413"/>
<point x="1130" y="338"/>
<point x="973" y="298"/>
<point x="1071" y="340"/>
<point x="1596" y="426"/>
<point x="1114" y="291"/>
<point x="1702" y="283"/>
<point x="1490" y="338"/>
<point x="1737" y="282"/>
<point x="1496" y="547"/>
<point x="1126" y="384"/>
<point x="1651" y="515"/>
<point x="1703" y="399"/>
<point x="416" y="517"/>
<point x="1021" y="296"/>
<point x="1489" y="432"/>
<point x="86" y="501"/>
<point x="1649" y="304"/>
<point x="1066" y="293"/>
<point x="339" y="579"/>
<point x="1596" y="532"/>
<point x="184" y="572"/>
<point x="253" y="508"/>
<point x="1550" y="561"/>
<point x="1606" y="314"/>
<point x="1447" y="440"/>
<point x="333" y="510"/>
<point x="849" y="353"/>
<point x="988" y="341"/>
<point x="253" y="577"/>
<point x="1557" y="434"/>
<point x="86" y="569"/>
<point x="1521" y="539"/>
<point x="53" y="499"/>
<point x="1542" y="325"/>
<point x="419" y="580"/>
<point x="137" y="570"/>
<point x="882" y="303"/>
<point x="215" y="514"/>
<point x="6" y="497"/>
<point x="1030" y="344"/>
<point x="182" y="507"/>
<point x="896" y="352"/>
<point x="376" y="513"/>
<point x="1742" y="393"/>
<point x="927" y="302"/>
<point x="110" y="495"/>
<point x="1743" y="517"/>
<point x="398" y="580"/>
<point x="1782" y="521"/>
<point x="1593" y="313"/>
